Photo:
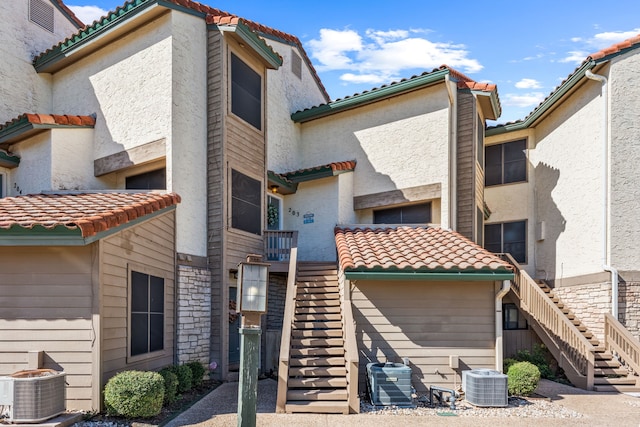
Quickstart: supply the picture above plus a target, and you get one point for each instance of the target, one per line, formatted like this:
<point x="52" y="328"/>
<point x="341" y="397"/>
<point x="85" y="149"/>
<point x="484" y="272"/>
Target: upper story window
<point x="411" y="214"/>
<point x="153" y="180"/>
<point x="505" y="163"/>
<point x="147" y="313"/>
<point x="507" y="237"/>
<point x="246" y="203"/>
<point x="246" y="93"/>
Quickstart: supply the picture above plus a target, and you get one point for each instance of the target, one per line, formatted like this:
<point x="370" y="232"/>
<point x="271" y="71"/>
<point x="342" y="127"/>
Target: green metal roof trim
<point x="257" y="44"/>
<point x="23" y="125"/>
<point x="311" y="174"/>
<point x="367" y="97"/>
<point x="545" y="105"/>
<point x="62" y="235"/>
<point x="282" y="181"/>
<point x="8" y="160"/>
<point x="433" y="275"/>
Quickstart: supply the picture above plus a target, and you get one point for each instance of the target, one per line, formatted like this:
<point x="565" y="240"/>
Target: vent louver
<point x="41" y="13"/>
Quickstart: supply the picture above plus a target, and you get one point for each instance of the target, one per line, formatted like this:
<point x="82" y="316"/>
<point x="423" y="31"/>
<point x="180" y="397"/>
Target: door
<point x="234" y="334"/>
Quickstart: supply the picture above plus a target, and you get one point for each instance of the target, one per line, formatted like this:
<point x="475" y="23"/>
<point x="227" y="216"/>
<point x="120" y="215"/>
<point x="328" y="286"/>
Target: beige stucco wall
<point x="625" y="154"/>
<point x="34" y="173"/>
<point x="286" y="94"/>
<point x="568" y="187"/>
<point x="398" y="143"/>
<point x="22" y="89"/>
<point x="147" y="86"/>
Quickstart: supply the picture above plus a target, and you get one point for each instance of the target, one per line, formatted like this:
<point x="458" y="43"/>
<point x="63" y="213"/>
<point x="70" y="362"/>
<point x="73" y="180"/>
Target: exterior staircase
<point x="609" y="374"/>
<point x="317" y="372"/>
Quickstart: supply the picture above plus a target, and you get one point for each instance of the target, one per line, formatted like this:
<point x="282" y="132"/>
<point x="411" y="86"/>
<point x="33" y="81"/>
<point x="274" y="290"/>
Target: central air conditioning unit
<point x="389" y="384"/>
<point x="485" y="387"/>
<point x="33" y="396"/>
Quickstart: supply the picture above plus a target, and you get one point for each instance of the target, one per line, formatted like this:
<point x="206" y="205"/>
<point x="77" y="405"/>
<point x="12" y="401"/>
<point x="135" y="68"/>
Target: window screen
<point x="506" y="163"/>
<point x="147" y="313"/>
<point x="154" y="180"/>
<point x="246" y="93"/>
<point x="507" y="237"/>
<point x="412" y="214"/>
<point x="246" y="203"/>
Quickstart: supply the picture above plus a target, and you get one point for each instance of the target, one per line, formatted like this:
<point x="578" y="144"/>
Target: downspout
<point x="506" y="285"/>
<point x="605" y="192"/>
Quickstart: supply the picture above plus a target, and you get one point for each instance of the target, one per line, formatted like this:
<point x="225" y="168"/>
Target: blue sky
<point x="526" y="48"/>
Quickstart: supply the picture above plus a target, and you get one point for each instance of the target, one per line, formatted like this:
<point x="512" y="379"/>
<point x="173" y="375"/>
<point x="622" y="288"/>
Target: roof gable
<point x="567" y="85"/>
<point x="437" y="75"/>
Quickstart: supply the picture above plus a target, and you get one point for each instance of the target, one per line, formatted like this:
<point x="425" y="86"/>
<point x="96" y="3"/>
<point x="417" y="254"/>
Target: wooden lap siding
<point x="46" y="305"/>
<point x="151" y="245"/>
<point x="426" y="322"/>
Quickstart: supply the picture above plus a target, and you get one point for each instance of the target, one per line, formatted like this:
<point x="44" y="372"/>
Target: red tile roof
<point x="465" y="82"/>
<point x="92" y="213"/>
<point x="52" y="119"/>
<point x="322" y="171"/>
<point x="212" y="16"/>
<point x="72" y="16"/>
<point x="616" y="48"/>
<point x="407" y="248"/>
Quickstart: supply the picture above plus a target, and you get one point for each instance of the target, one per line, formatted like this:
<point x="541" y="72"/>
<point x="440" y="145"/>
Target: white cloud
<point x="380" y="56"/>
<point x="587" y="46"/>
<point x="528" y="84"/>
<point x="575" y="56"/>
<point x="530" y="99"/>
<point x="88" y="14"/>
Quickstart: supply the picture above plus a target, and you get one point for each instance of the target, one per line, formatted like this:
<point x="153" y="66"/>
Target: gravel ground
<point x="518" y="407"/>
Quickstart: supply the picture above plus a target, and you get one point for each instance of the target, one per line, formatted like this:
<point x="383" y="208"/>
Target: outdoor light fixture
<point x="274" y="188"/>
<point x="252" y="286"/>
<point x="253" y="277"/>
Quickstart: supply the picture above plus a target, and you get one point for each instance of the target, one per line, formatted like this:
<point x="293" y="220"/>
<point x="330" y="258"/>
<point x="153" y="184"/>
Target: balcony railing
<point x="278" y="244"/>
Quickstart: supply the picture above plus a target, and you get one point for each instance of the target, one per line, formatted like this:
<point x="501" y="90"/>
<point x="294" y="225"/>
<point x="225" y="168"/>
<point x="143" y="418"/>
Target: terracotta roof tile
<point x="211" y="16"/>
<point x="72" y="16"/>
<point x="52" y="119"/>
<point x="412" y="248"/>
<point x="322" y="171"/>
<point x="615" y="48"/>
<point x="90" y="212"/>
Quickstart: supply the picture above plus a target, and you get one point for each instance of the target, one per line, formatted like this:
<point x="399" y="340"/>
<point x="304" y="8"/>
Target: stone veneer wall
<point x="589" y="303"/>
<point x="194" y="314"/>
<point x="629" y="307"/>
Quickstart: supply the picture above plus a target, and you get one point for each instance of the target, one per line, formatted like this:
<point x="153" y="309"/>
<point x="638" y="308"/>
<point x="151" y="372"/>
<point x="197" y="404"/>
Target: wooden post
<point x="248" y="386"/>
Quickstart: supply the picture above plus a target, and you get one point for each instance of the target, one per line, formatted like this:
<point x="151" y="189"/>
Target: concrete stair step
<point x="602" y="372"/>
<point x="317" y="382"/>
<point x="316" y="371"/>
<point x="615" y="381"/>
<point x="616" y="388"/>
<point x="604" y="363"/>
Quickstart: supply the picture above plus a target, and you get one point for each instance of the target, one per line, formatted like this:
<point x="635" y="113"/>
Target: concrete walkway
<point x="219" y="408"/>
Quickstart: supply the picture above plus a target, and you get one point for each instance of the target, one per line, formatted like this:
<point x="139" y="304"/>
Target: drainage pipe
<point x="506" y="285"/>
<point x="605" y="192"/>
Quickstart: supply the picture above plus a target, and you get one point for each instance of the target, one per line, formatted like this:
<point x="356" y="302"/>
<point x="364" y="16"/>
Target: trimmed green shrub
<point x="170" y="385"/>
<point x="185" y="377"/>
<point x="522" y="378"/>
<point x="197" y="372"/>
<point x="539" y="357"/>
<point x="506" y="364"/>
<point x="134" y="394"/>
